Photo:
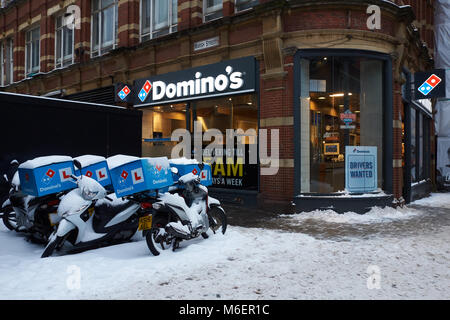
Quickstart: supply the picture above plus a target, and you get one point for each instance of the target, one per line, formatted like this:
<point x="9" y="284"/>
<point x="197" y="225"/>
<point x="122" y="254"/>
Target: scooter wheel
<point x="9" y="218"/>
<point x="151" y="243"/>
<point x="217" y="219"/>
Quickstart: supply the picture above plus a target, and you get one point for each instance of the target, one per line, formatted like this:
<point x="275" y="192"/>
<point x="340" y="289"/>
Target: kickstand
<point x="176" y="244"/>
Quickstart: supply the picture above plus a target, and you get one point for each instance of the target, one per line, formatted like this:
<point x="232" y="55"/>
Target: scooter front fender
<point x="6" y="203"/>
<point x="64" y="228"/>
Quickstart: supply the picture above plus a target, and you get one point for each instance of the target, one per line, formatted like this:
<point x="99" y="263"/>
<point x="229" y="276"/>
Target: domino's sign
<point x="224" y="78"/>
<point x="430" y="85"/>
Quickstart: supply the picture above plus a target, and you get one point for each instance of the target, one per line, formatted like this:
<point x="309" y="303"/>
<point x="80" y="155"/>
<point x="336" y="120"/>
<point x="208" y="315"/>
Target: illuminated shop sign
<point x="224" y="78"/>
<point x="430" y="84"/>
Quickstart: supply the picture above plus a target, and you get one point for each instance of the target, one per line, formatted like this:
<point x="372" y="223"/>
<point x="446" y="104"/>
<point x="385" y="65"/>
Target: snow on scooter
<point x="184" y="213"/>
<point x="88" y="221"/>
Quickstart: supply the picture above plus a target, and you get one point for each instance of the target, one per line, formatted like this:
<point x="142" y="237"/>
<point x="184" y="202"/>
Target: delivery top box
<point x="186" y="166"/>
<point x="46" y="175"/>
<point x="130" y="175"/>
<point x="94" y="167"/>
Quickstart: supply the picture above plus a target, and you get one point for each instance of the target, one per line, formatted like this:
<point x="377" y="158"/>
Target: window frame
<point x="247" y="4"/>
<point x="62" y="28"/>
<point x="101" y="50"/>
<point x="36" y="69"/>
<point x="388" y="150"/>
<point x="156" y="32"/>
<point x="211" y="11"/>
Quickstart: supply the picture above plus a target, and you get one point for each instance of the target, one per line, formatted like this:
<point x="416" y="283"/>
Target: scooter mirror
<point x="174" y="170"/>
<point x="77" y="164"/>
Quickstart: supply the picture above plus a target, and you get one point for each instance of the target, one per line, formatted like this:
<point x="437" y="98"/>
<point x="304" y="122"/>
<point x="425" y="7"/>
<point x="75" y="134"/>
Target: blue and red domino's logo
<point x="124" y="92"/>
<point x="143" y="94"/>
<point x="430" y="84"/>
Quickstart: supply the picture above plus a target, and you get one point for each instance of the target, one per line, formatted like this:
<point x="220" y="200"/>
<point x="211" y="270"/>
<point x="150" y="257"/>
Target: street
<point x="386" y="254"/>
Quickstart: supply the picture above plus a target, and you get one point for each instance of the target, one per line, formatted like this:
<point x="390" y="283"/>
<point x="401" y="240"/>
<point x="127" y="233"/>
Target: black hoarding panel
<point x="35" y="126"/>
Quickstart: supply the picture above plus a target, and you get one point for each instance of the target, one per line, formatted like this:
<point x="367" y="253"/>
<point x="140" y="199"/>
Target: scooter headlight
<point x="88" y="194"/>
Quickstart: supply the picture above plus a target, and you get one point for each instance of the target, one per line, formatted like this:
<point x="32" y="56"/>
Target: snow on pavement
<point x="245" y="263"/>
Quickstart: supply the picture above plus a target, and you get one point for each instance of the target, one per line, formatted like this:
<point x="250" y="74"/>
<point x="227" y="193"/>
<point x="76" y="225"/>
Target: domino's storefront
<point x="215" y="98"/>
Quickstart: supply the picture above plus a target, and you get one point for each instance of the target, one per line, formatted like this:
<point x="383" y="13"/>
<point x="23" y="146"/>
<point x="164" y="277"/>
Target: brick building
<point x="313" y="63"/>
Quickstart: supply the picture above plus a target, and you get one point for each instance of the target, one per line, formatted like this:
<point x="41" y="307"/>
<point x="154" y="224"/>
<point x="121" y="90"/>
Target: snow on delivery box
<point x="131" y="175"/>
<point x="94" y="167"/>
<point x="46" y="175"/>
<point x="186" y="166"/>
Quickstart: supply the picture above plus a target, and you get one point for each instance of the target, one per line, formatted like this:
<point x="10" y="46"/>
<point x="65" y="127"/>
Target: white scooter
<point x="88" y="221"/>
<point x="184" y="213"/>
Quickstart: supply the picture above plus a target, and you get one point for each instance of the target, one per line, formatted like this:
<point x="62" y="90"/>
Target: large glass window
<point x="158" y="17"/>
<point x="158" y="123"/>
<point x="104" y="26"/>
<point x="63" y="43"/>
<point x="212" y="9"/>
<point x="6" y="56"/>
<point x="238" y="113"/>
<point x="32" y="52"/>
<point x="235" y="112"/>
<point x="341" y="105"/>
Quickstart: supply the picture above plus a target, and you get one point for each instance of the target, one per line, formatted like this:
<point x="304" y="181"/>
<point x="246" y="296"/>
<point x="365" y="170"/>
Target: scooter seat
<point x="110" y="210"/>
<point x="105" y="212"/>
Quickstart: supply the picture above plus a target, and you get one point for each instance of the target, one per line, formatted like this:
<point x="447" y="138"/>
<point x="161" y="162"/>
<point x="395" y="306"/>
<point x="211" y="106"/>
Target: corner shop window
<point x="341" y="105"/>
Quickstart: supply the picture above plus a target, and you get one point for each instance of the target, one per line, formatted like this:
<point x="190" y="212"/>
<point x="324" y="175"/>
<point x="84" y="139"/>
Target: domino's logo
<point x="430" y="84"/>
<point x="143" y="94"/>
<point x="124" y="92"/>
<point x="48" y="177"/>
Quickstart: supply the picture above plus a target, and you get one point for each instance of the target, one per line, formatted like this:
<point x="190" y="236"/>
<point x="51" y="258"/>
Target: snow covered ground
<point x="253" y="263"/>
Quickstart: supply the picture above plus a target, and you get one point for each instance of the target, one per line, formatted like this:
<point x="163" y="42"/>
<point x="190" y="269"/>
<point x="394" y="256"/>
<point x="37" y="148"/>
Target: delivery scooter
<point x="183" y="213"/>
<point x="88" y="221"/>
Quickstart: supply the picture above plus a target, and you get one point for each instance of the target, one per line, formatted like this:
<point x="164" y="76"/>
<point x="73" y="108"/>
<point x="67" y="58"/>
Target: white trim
<point x="29" y="31"/>
<point x="195" y="98"/>
<point x="207" y="11"/>
<point x="171" y="25"/>
<point x="113" y="45"/>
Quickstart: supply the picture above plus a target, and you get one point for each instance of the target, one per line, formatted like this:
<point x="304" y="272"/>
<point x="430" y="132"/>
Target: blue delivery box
<point x="186" y="166"/>
<point x="94" y="167"/>
<point x="130" y="175"/>
<point x="46" y="175"/>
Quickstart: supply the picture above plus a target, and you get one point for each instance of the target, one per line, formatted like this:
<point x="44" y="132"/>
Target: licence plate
<point x="145" y="223"/>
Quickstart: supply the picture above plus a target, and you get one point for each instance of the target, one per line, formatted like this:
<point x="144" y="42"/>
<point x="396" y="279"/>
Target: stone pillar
<point x="190" y="13"/>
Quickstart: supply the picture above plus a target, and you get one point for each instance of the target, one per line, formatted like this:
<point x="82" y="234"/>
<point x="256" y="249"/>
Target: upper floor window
<point x="6" y="56"/>
<point x="32" y="52"/>
<point x="63" y="43"/>
<point x="104" y="26"/>
<point x="158" y="17"/>
<point x="212" y="9"/>
<point x="245" y="4"/>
